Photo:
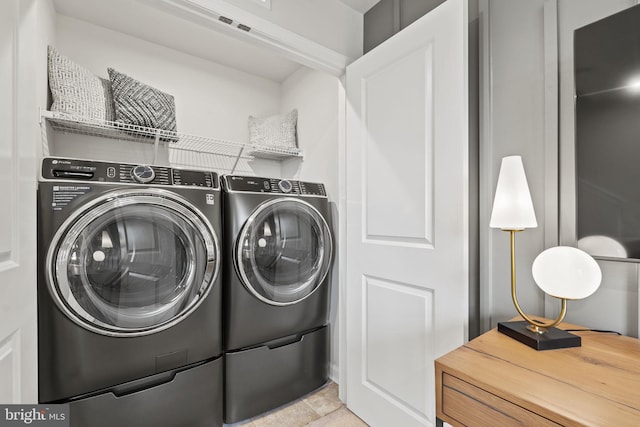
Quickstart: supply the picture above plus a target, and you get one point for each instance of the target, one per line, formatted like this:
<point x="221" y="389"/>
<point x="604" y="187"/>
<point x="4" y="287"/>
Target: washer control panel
<point x="86" y="170"/>
<point x="272" y="185"/>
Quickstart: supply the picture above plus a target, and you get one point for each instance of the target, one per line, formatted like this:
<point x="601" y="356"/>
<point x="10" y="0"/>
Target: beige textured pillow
<point x="275" y="131"/>
<point x="76" y="90"/>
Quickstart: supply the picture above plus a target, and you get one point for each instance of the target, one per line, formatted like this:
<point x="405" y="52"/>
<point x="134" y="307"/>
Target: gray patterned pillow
<point x="142" y="105"/>
<point x="76" y="90"/>
<point x="274" y="131"/>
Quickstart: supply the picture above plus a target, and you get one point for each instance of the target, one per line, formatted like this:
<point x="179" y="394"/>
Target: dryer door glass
<point x="284" y="251"/>
<point x="134" y="266"/>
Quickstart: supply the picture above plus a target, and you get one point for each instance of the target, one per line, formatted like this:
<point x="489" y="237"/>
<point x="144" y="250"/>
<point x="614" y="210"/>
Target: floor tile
<point x="297" y="414"/>
<point x="340" y="418"/>
<point x="325" y="400"/>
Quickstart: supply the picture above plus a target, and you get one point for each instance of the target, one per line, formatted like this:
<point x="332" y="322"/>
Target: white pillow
<point x="76" y="90"/>
<point x="275" y="131"/>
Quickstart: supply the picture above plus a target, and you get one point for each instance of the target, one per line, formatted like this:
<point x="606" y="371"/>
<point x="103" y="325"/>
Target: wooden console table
<point x="496" y="381"/>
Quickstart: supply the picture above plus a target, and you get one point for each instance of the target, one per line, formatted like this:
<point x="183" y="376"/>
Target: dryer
<point x="278" y="250"/>
<point x="129" y="294"/>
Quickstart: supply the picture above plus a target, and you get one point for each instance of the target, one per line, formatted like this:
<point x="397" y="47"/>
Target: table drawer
<point x="472" y="406"/>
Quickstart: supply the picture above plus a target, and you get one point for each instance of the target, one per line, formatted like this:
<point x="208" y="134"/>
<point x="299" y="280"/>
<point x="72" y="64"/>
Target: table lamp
<point x="562" y="272"/>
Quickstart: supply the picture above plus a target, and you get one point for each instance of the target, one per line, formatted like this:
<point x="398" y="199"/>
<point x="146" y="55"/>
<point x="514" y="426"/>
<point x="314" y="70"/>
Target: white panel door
<point x="18" y="133"/>
<point x="406" y="217"/>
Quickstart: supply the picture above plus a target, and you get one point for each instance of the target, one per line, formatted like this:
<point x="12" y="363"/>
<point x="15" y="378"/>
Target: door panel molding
<point x="405" y="169"/>
<point x="9" y="369"/>
<point x="383" y="327"/>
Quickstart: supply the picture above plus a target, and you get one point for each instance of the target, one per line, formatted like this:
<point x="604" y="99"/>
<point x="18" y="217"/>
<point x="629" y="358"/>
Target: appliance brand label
<point x="34" y="415"/>
<point x="63" y="195"/>
<point x="60" y="162"/>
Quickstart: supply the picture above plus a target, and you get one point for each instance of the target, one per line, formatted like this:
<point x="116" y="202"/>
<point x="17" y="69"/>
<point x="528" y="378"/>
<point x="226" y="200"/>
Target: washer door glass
<point x="134" y="264"/>
<point x="284" y="251"/>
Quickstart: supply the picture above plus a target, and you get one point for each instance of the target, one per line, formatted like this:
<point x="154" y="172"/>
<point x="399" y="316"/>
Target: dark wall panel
<point x="388" y="17"/>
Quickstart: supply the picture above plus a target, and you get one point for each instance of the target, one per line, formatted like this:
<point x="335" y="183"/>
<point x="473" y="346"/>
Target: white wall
<point x="315" y="95"/>
<point x="211" y="100"/>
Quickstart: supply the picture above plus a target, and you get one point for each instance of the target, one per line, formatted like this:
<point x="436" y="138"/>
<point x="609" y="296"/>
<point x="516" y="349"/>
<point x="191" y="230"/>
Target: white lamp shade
<point x="512" y="205"/>
<point x="566" y="272"/>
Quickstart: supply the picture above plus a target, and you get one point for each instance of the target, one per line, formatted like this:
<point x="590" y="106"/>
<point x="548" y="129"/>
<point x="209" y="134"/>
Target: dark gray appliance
<point x="129" y="293"/>
<point x="278" y="251"/>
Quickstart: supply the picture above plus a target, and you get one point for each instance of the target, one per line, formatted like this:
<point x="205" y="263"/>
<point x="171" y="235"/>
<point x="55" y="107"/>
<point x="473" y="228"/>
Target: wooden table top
<point x="597" y="384"/>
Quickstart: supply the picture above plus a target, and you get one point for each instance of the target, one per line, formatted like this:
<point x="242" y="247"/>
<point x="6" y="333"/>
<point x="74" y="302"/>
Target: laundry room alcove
<point x="219" y="73"/>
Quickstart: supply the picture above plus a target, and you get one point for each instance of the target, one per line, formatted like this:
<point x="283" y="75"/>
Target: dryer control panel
<point x="87" y="170"/>
<point x="254" y="184"/>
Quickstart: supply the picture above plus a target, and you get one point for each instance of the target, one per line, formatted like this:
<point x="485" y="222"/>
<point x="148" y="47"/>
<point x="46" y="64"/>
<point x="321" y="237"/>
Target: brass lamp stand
<point x="535" y="334"/>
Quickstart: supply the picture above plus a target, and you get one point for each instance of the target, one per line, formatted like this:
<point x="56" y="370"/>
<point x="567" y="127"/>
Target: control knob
<point x="143" y="174"/>
<point x="285" y="185"/>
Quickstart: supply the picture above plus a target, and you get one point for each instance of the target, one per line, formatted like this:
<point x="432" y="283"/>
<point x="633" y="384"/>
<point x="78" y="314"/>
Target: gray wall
<point x="387" y="17"/>
<point x="474" y="172"/>
<point x="514" y="98"/>
<point x="526" y="105"/>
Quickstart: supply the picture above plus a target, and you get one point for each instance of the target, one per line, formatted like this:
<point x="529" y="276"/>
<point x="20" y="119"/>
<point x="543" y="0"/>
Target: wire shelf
<point x="184" y="149"/>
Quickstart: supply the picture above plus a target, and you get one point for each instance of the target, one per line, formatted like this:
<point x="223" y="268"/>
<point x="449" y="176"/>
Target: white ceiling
<point x="360" y="5"/>
<point x="157" y="26"/>
<point x="141" y="20"/>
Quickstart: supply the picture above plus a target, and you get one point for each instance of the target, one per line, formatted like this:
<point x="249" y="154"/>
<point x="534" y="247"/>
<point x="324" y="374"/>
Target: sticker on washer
<point x="63" y="195"/>
<point x="211" y="199"/>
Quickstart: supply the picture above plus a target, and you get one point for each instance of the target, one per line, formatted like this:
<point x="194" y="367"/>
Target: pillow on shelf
<point x="142" y="105"/>
<point x="77" y="91"/>
<point x="275" y="131"/>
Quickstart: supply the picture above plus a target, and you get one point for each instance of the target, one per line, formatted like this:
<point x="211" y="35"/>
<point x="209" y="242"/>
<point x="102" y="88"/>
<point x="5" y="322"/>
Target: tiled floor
<point x="321" y="408"/>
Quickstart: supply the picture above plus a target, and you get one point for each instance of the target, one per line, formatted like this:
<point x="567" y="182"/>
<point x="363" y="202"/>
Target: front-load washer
<point x="129" y="293"/>
<point x="278" y="249"/>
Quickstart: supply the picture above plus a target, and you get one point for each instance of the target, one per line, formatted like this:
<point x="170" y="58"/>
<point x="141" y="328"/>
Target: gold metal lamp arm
<point x="535" y="325"/>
